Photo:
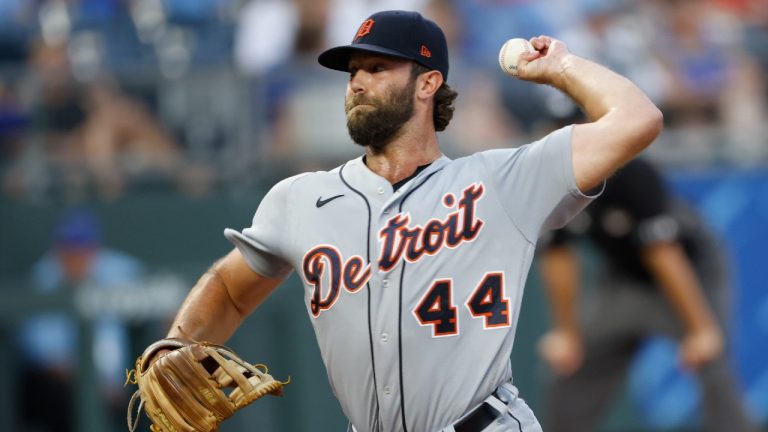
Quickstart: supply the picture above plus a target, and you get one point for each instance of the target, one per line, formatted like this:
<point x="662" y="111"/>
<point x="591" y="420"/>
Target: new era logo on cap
<point x="399" y="34"/>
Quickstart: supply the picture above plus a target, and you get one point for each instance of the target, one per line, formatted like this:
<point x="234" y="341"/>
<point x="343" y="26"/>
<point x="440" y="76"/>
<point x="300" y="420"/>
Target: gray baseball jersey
<point x="414" y="294"/>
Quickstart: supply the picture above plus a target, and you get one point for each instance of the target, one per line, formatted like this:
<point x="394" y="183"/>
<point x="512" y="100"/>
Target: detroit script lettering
<point x="398" y="241"/>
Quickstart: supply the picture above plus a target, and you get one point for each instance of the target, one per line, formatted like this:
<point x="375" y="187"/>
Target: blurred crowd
<point x="104" y="98"/>
<point x="100" y="97"/>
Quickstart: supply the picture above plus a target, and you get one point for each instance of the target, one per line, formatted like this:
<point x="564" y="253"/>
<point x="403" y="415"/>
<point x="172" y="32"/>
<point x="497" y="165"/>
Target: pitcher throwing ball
<point x="413" y="264"/>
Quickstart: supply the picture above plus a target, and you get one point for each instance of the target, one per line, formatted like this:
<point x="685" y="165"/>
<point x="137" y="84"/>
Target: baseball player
<point x="413" y="264"/>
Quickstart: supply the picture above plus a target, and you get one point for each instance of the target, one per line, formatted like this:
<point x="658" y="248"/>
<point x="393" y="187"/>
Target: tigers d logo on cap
<point x="401" y="34"/>
<point x="365" y="28"/>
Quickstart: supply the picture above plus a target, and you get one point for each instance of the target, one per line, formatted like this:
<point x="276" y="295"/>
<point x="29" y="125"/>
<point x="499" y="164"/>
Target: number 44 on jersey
<point x="487" y="302"/>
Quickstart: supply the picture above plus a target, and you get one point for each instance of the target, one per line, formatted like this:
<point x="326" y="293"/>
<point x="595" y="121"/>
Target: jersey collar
<point x="361" y="178"/>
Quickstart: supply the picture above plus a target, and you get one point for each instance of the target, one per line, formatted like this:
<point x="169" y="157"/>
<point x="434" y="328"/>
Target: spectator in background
<point x="93" y="133"/>
<point x="662" y="273"/>
<point x="614" y="32"/>
<point x="271" y="33"/>
<point x="54" y="100"/>
<point x="711" y="77"/>
<point x="278" y="41"/>
<point x="49" y="341"/>
<point x="696" y="58"/>
<point x="482" y="122"/>
<point x="12" y="122"/>
<point x="485" y="26"/>
<point x="755" y="16"/>
<point x="121" y="141"/>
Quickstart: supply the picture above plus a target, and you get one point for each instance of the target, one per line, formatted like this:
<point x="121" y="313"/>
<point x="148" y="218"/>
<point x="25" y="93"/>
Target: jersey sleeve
<point x="262" y="244"/>
<point x="536" y="183"/>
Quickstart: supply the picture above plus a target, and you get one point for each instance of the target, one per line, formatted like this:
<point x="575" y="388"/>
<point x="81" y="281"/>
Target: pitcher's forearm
<point x="208" y="313"/>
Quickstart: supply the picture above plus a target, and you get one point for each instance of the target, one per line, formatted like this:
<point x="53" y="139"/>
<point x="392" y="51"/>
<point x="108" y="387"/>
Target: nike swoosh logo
<point x="321" y="202"/>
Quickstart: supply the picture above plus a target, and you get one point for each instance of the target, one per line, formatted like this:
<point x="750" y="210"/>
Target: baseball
<point x="510" y="54"/>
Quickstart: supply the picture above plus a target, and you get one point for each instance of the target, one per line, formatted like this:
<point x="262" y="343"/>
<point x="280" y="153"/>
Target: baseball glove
<point x="184" y="390"/>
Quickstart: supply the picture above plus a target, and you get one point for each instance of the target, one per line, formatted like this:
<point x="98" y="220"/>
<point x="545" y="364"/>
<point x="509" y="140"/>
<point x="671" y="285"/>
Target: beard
<point x="376" y="125"/>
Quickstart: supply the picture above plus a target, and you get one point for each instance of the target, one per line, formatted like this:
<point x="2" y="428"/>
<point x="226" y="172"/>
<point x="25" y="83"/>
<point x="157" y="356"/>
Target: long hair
<point x="444" y="97"/>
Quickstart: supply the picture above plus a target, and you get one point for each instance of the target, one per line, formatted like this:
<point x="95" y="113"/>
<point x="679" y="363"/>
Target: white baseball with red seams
<point x="510" y="52"/>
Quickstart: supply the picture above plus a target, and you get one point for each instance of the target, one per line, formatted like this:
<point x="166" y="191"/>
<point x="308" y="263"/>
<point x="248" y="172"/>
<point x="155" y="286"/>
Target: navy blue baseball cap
<point x="401" y="34"/>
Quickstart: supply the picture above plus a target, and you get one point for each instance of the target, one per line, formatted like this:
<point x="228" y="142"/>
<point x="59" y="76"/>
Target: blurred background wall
<point x="132" y="132"/>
